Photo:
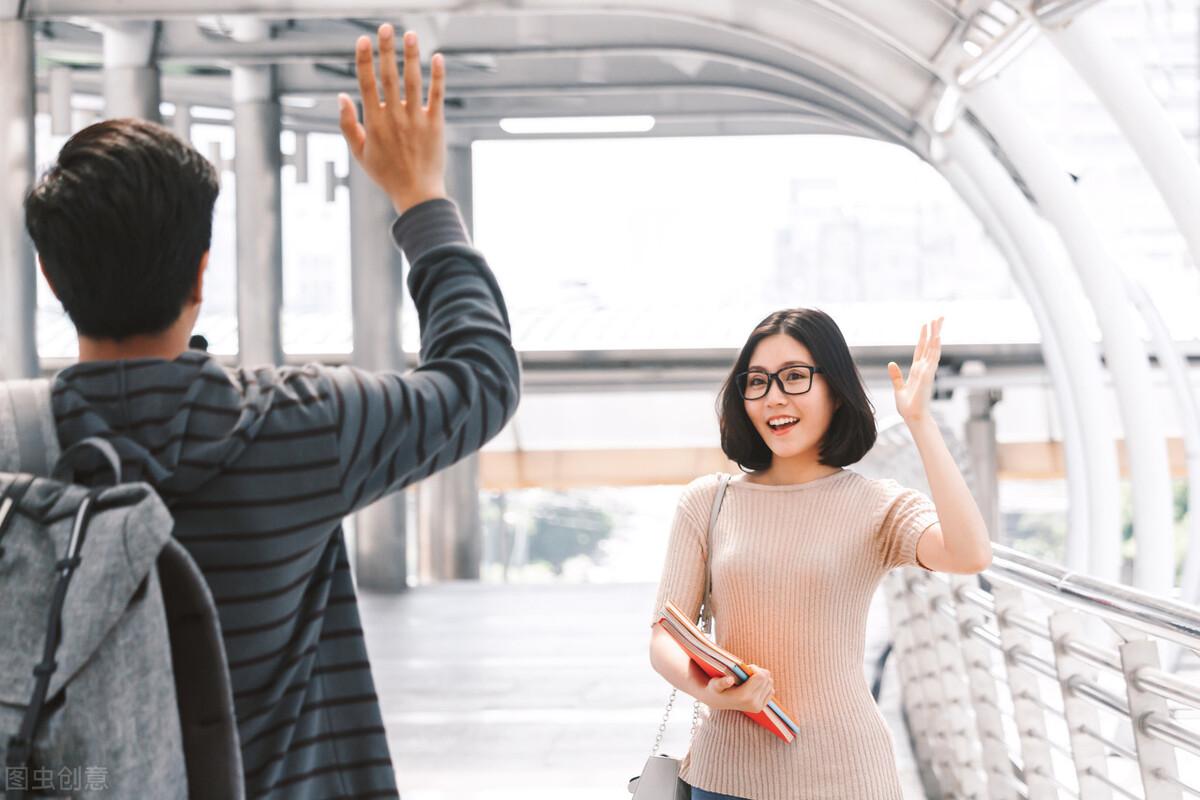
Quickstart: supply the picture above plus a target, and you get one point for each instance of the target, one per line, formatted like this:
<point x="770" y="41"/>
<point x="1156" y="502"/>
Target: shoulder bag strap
<point x="33" y="418"/>
<point x="705" y="611"/>
<point x="705" y="620"/>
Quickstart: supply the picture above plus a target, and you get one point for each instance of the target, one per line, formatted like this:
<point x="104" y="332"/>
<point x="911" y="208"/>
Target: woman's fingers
<point x="929" y="346"/>
<point x="933" y="344"/>
<point x="760" y="687"/>
<point x="721" y="685"/>
<point x="751" y="695"/>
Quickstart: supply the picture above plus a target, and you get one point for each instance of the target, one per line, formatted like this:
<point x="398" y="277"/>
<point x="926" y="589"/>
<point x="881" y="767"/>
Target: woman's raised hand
<point x="912" y="396"/>
<point x="752" y="695"/>
<point x="400" y="144"/>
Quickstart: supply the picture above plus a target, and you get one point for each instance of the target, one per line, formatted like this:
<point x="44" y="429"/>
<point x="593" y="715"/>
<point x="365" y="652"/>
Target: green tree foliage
<point x="562" y="531"/>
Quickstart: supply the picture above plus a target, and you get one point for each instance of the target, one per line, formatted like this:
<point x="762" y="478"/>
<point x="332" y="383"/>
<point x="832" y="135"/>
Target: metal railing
<point x="1030" y="681"/>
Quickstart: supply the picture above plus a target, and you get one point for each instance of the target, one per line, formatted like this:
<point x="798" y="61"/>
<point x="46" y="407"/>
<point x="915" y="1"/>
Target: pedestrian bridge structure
<point x="1026" y="682"/>
<point x="1034" y="680"/>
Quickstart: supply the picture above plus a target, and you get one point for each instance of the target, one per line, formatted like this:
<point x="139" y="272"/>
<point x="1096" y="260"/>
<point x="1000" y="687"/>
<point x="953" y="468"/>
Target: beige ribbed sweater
<point x="794" y="570"/>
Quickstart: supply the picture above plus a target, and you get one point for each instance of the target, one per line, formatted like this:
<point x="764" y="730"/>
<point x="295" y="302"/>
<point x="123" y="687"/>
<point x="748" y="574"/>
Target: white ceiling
<point x="857" y="67"/>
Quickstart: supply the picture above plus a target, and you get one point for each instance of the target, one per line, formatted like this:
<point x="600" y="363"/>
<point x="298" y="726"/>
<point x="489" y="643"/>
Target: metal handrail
<point x="1147" y="613"/>
<point x="1116" y="747"/>
<point x="1166" y="685"/>
<point x="1092" y="655"/>
<point x="1171" y="732"/>
<point x="1099" y="696"/>
<point x="1015" y="649"/>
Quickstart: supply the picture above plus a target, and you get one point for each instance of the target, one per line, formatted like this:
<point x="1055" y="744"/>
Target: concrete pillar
<point x="60" y="101"/>
<point x="18" y="280"/>
<point x="376" y="268"/>
<point x="131" y="79"/>
<point x="257" y="162"/>
<point x="181" y="123"/>
<point x="449" y="530"/>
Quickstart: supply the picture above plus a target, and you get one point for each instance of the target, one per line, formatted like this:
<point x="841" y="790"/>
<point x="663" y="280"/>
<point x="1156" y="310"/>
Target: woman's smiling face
<point x="812" y="411"/>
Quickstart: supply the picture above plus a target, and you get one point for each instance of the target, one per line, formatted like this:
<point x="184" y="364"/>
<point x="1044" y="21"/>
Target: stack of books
<point x="718" y="663"/>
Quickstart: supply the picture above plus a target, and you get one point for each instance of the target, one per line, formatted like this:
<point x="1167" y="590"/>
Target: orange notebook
<point x="718" y="663"/>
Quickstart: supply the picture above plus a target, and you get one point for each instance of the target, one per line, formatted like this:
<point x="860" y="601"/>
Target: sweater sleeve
<point x="394" y="428"/>
<point x="685" y="569"/>
<point x="905" y="515"/>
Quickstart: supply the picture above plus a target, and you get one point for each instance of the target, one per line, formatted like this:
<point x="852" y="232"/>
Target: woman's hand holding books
<point x="718" y="678"/>
<point x="751" y="696"/>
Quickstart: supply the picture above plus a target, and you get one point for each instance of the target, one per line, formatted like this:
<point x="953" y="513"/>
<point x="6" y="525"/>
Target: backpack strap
<point x="28" y="403"/>
<point x="64" y="467"/>
<point x="20" y="745"/>
<point x="10" y="497"/>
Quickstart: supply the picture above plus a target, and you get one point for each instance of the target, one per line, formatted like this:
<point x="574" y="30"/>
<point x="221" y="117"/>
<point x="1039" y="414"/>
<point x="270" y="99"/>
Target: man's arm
<point x="394" y="429"/>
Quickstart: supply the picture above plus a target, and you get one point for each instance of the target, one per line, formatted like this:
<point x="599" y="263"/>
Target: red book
<point x="718" y="663"/>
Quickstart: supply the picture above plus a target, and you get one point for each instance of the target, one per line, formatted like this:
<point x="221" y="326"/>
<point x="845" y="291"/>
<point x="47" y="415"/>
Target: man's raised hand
<point x="400" y="143"/>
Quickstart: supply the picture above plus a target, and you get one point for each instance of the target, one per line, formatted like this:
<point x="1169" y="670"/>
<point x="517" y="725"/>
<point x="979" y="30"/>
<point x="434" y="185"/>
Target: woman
<point x="799" y="547"/>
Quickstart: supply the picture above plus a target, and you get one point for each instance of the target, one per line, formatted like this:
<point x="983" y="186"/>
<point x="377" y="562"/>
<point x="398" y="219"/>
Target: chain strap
<point x="662" y="726"/>
<point x="704" y="623"/>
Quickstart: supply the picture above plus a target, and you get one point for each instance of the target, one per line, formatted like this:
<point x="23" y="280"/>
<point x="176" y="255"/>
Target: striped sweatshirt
<point x="794" y="568"/>
<point x="260" y="466"/>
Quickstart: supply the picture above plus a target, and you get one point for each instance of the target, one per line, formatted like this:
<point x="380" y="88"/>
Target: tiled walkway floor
<point x="533" y="692"/>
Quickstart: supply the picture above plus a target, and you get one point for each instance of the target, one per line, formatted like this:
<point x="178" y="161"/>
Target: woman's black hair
<point x="851" y="432"/>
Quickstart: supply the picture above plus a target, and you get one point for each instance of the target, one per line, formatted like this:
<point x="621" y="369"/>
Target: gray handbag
<point x="660" y="775"/>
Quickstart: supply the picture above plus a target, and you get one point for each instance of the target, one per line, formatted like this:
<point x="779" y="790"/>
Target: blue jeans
<point x="700" y="794"/>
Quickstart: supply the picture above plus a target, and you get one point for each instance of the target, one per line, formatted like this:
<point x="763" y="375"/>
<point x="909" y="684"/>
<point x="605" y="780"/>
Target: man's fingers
<point x="387" y="66"/>
<point x="437" y="86"/>
<point x="352" y="131"/>
<point x="364" y="66"/>
<point x="412" y="72"/>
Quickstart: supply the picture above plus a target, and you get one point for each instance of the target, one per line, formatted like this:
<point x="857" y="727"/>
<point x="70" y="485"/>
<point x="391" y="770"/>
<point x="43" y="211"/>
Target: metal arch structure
<point x="854" y="67"/>
<point x="1001" y="220"/>
<point x="1095" y="548"/>
<point x="1101" y="280"/>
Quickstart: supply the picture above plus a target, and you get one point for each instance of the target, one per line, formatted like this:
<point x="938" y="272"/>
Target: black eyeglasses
<point x="755" y="384"/>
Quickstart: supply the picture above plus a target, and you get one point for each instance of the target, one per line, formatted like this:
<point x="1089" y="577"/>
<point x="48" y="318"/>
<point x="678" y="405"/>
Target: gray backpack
<point x="113" y="676"/>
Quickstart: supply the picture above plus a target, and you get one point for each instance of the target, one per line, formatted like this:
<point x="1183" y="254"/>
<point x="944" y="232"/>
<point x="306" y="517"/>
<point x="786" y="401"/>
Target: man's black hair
<point x="120" y="223"/>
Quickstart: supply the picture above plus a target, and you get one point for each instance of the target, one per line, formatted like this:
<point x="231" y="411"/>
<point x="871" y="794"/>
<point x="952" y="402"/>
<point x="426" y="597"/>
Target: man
<point x="259" y="466"/>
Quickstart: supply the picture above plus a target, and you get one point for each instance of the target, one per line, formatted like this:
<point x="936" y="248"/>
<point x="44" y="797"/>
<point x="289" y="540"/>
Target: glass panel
<point x="663" y="243"/>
